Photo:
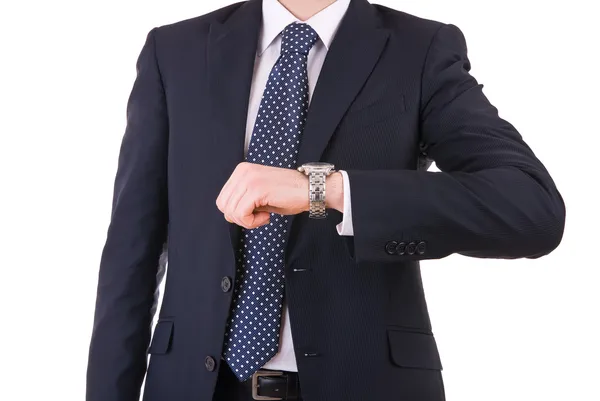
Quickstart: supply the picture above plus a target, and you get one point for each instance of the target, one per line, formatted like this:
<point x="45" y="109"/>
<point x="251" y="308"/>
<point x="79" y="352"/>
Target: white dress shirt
<point x="275" y="18"/>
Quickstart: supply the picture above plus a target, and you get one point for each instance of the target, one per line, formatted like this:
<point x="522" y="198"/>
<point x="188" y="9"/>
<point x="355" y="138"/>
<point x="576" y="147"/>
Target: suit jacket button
<point x="421" y="247"/>
<point x="401" y="248"/>
<point x="225" y="284"/>
<point x="209" y="363"/>
<point x="411" y="248"/>
<point x="390" y="247"/>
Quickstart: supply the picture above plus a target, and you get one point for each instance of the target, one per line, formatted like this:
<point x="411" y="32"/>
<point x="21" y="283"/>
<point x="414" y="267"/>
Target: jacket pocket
<point x="161" y="340"/>
<point x="376" y="111"/>
<point x="413" y="349"/>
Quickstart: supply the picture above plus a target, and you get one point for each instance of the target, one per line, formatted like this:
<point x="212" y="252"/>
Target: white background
<point x="507" y="330"/>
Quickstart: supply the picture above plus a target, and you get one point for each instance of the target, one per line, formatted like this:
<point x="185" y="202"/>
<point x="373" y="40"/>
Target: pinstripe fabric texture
<point x="394" y="91"/>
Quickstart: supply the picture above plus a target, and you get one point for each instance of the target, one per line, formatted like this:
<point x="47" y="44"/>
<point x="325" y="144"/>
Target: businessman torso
<point x="358" y="315"/>
<point x="344" y="317"/>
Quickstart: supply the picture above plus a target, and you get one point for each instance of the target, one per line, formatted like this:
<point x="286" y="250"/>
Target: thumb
<point x="260" y="219"/>
<point x="272" y="209"/>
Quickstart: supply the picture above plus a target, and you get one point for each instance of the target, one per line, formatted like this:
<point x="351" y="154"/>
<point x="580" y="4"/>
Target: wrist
<point x="334" y="192"/>
<point x="304" y="187"/>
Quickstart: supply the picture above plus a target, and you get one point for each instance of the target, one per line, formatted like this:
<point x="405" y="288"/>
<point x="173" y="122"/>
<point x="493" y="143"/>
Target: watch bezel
<point x="316" y="167"/>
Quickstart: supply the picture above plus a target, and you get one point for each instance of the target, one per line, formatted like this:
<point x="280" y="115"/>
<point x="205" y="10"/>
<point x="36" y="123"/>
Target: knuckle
<point x="244" y="167"/>
<point x="259" y="196"/>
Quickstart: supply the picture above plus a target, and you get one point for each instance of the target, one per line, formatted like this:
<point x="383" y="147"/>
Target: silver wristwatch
<point x="317" y="173"/>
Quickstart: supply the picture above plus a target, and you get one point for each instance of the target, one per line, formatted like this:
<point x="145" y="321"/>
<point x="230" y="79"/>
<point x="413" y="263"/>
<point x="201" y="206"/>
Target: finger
<point x="232" y="206"/>
<point x="260" y="219"/>
<point x="244" y="212"/>
<point x="230" y="185"/>
<point x="224" y="195"/>
<point x="273" y="209"/>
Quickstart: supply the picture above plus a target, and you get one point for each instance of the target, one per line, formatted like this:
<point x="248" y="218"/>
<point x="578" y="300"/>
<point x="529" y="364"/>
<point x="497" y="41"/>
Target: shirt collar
<point x="276" y="17"/>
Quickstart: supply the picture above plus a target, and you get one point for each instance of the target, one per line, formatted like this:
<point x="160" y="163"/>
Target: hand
<point x="254" y="191"/>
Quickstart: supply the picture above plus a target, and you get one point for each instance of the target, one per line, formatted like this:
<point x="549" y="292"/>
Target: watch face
<point x="318" y="167"/>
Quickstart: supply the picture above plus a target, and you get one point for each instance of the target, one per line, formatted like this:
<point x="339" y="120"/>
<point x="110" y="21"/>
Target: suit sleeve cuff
<point x="345" y="227"/>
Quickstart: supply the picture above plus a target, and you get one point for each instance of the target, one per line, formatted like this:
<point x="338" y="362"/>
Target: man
<point x="302" y="285"/>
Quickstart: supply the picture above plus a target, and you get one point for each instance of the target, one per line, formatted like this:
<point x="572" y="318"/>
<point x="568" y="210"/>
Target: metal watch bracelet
<point x="316" y="190"/>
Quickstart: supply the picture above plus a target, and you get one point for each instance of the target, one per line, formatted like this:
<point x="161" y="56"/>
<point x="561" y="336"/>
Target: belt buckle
<point x="255" y="377"/>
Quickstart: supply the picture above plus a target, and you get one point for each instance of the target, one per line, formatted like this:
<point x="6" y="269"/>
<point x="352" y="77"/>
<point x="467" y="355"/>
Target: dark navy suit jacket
<point x="394" y="93"/>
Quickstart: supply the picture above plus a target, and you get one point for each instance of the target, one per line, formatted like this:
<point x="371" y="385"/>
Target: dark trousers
<point x="229" y="387"/>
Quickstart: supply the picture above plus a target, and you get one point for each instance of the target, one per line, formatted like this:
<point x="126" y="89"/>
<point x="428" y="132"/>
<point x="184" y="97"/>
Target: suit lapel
<point x="352" y="56"/>
<point x="231" y="57"/>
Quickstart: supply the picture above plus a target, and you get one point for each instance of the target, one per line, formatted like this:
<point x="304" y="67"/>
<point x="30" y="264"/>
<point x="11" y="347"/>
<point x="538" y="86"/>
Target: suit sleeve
<point x="129" y="267"/>
<point x="492" y="199"/>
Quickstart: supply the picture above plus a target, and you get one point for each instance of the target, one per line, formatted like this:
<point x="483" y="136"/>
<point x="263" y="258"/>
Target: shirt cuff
<point x="345" y="227"/>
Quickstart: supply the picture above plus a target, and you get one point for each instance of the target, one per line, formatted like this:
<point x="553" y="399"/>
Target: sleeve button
<point x="411" y="248"/>
<point x="421" y="248"/>
<point x="401" y="248"/>
<point x="390" y="247"/>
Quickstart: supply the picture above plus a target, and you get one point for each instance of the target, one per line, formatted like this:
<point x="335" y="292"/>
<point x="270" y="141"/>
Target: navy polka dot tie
<point x="252" y="333"/>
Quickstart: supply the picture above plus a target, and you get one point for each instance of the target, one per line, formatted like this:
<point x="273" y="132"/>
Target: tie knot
<point x="298" y="38"/>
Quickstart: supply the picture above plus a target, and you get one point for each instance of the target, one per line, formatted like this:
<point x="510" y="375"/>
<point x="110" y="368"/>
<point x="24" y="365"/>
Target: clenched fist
<point x="254" y="191"/>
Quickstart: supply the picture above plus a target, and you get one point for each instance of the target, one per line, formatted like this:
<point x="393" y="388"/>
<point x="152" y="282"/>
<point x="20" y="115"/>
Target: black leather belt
<point x="274" y="385"/>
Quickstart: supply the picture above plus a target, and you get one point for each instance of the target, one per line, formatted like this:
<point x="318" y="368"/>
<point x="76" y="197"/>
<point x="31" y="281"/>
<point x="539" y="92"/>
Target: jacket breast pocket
<point x="413" y="349"/>
<point x="366" y="113"/>
<point x="162" y="338"/>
